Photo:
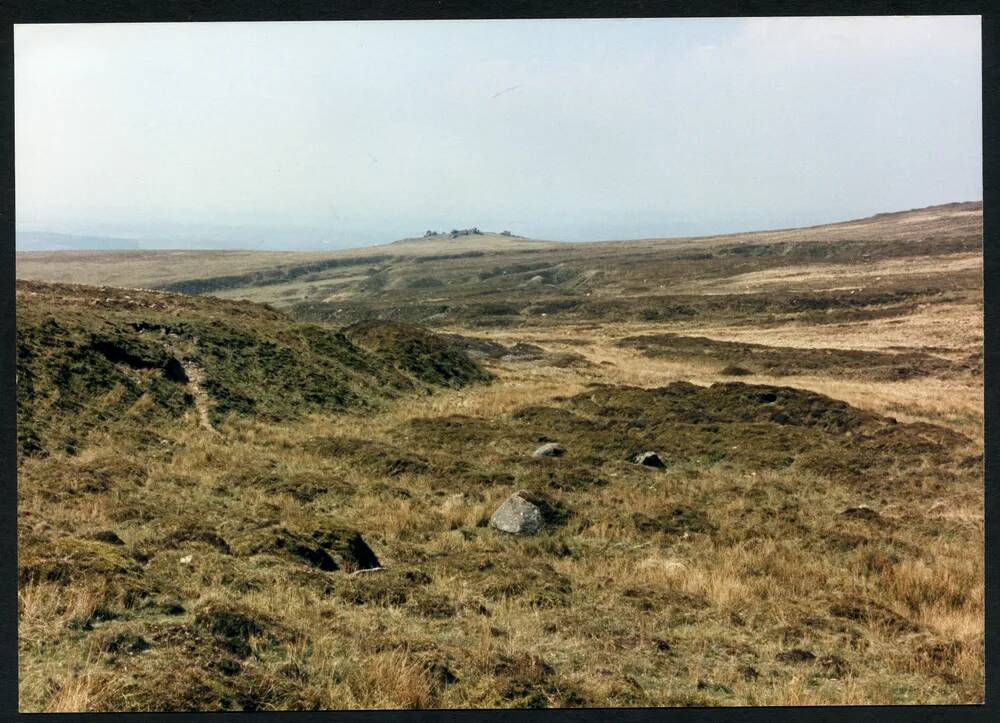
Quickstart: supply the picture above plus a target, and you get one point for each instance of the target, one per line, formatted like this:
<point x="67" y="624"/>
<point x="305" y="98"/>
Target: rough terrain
<point x="226" y="505"/>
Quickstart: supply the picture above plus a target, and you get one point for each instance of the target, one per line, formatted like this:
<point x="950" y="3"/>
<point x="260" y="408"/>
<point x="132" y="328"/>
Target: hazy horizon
<point x="334" y="134"/>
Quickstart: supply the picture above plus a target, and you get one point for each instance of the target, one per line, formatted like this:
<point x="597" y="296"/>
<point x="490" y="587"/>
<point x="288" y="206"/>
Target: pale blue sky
<point x="353" y="133"/>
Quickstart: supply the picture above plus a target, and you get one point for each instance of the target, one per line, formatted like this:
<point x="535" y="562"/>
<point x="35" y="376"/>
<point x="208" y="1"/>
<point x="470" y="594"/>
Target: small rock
<point x="517" y="516"/>
<point x="649" y="459"/>
<point x="536" y="279"/>
<point x="186" y="559"/>
<point x="552" y="449"/>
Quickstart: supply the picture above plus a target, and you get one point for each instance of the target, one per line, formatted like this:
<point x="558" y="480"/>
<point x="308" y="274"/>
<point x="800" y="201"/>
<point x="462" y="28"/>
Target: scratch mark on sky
<point x="505" y="90"/>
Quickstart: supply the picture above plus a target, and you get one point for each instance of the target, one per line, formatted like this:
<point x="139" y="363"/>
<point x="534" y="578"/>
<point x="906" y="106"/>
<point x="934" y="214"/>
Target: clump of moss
<point x="375" y="456"/>
<point x="535" y="582"/>
<point x="121" y="642"/>
<point x="66" y="559"/>
<point x="525" y="680"/>
<point x="232" y="627"/>
<point x="868" y="611"/>
<point x="383" y="588"/>
<point x="674" y="521"/>
<point x="194" y="531"/>
<point x="224" y="649"/>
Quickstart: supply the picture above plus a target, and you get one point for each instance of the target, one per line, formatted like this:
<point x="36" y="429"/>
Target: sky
<point x="314" y="134"/>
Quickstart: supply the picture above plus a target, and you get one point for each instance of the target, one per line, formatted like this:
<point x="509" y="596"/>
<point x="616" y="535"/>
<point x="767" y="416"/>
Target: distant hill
<point x="485" y="240"/>
<point x="50" y="241"/>
<point x="41" y="241"/>
<point x="425" y="269"/>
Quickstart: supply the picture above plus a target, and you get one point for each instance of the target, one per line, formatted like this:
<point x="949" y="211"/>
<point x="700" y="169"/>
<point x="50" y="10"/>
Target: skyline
<point x="354" y="133"/>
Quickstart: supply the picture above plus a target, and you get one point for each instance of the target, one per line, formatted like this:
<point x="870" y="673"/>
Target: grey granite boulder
<point x="552" y="449"/>
<point x="649" y="459"/>
<point x="517" y="516"/>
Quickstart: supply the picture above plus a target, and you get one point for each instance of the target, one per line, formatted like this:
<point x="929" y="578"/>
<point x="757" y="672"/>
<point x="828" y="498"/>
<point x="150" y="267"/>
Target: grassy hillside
<point x="87" y="357"/>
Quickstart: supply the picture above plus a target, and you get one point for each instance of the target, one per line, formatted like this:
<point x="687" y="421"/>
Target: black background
<point x="81" y="11"/>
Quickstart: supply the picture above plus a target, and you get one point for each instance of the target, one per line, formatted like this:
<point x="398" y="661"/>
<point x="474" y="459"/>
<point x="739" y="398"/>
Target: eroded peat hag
<point x="733" y="471"/>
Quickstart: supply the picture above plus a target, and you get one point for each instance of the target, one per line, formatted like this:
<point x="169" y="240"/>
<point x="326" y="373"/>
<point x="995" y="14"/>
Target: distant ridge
<point x="51" y="241"/>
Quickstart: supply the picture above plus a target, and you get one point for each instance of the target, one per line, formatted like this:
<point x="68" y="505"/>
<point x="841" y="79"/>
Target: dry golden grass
<point x="835" y="276"/>
<point x="941" y="591"/>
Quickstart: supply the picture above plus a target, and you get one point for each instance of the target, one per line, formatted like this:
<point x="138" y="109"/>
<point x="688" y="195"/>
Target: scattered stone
<point x="649" y="459"/>
<point x="861" y="512"/>
<point x="186" y="559"/>
<point x="552" y="449"/>
<point x="795" y="655"/>
<point x="517" y="516"/>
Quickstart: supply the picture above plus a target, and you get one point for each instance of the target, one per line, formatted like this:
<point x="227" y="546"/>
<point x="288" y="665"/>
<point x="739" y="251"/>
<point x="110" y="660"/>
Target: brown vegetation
<point x="814" y="537"/>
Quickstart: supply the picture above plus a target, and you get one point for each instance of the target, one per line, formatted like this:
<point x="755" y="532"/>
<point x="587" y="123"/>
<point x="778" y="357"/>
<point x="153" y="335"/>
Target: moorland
<point x="257" y="481"/>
